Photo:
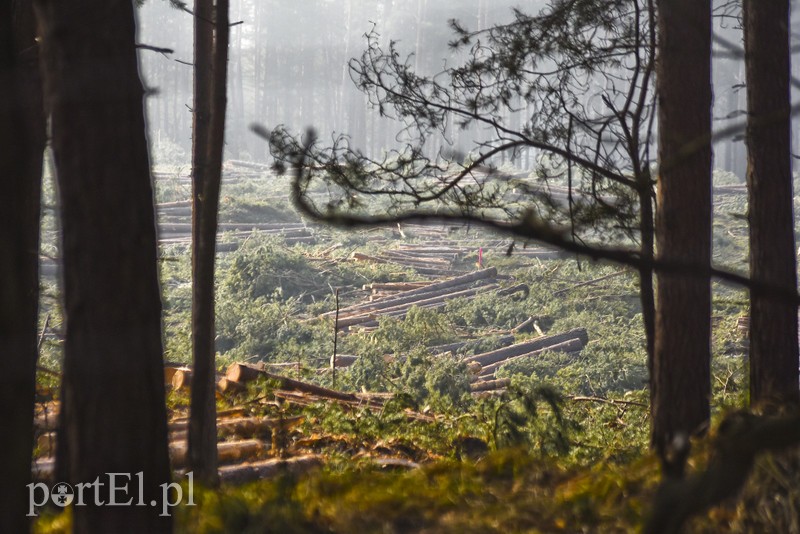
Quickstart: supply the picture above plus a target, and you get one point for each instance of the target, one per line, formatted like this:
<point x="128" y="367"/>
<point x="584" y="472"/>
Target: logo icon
<point x="62" y="494"/>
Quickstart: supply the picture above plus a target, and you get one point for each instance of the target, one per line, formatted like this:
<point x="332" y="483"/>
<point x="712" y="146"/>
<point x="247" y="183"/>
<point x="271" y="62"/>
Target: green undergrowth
<point x="565" y="450"/>
<point x="508" y="491"/>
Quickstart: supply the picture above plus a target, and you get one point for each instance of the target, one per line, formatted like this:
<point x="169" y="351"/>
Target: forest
<point x="382" y="266"/>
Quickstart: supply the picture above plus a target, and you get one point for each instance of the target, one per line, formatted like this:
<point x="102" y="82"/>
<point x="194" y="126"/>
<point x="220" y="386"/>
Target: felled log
<point x="571" y="345"/>
<point x="414" y="262"/>
<point x="488" y="385"/>
<point x="225" y="385"/>
<point x="424" y="249"/>
<point x="395" y="286"/>
<point x="396" y="302"/>
<point x="241" y="372"/>
<point x="241" y="474"/>
<point x="503" y="341"/>
<point x="444" y="259"/>
<point x="425" y="302"/>
<point x="181" y="378"/>
<point x="488" y="358"/>
<point x="169" y="372"/>
<point x="436" y="286"/>
<point x="245" y="426"/>
<point x="227" y="452"/>
<point x="232" y="412"/>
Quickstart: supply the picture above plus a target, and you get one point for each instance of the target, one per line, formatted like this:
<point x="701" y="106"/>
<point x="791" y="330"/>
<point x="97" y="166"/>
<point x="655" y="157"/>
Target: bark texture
<point x="211" y="61"/>
<point x="680" y="380"/>
<point x="113" y="350"/>
<point x="22" y="140"/>
<point x="773" y="321"/>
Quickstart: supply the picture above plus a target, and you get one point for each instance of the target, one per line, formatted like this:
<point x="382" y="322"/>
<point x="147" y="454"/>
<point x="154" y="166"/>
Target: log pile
<point x="502" y="341"/>
<point x="494" y="248"/>
<point x="428" y="265"/>
<point x="249" y="472"/>
<point x="571" y="342"/>
<point x="180" y="233"/>
<point x="433" y="295"/>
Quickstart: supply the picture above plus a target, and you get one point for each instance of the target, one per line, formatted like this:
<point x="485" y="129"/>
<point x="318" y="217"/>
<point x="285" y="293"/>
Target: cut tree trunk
<point x="488" y="385"/>
<point x="241" y="372"/>
<point x="488" y="358"/>
<point x="242" y="474"/>
<point x="227" y="452"/>
<point x="444" y="284"/>
<point x="571" y="345"/>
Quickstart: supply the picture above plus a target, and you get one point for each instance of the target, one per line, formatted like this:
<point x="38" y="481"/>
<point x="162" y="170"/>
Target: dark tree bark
<point x="211" y="59"/>
<point x="773" y="321"/>
<point x="22" y="136"/>
<point x="113" y="386"/>
<point x="681" y="368"/>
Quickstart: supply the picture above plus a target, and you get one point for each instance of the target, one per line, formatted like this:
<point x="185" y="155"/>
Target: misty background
<point x="289" y="65"/>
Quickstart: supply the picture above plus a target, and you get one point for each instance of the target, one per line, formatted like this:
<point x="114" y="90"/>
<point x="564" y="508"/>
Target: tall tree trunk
<point x="681" y="366"/>
<point x="113" y="386"/>
<point x="773" y="321"/>
<point x="22" y="136"/>
<point x="207" y="179"/>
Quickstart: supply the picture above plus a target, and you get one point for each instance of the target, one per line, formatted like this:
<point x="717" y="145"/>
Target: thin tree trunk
<point x="202" y="425"/>
<point x="22" y="134"/>
<point x="773" y="322"/>
<point x="646" y="293"/>
<point x="681" y="366"/>
<point x="113" y="361"/>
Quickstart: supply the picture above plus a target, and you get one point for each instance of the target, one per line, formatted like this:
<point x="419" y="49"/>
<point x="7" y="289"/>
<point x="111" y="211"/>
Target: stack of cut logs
<point x="244" y="454"/>
<point x="432" y="295"/>
<point x="456" y="249"/>
<point x="172" y="229"/>
<point x="486" y="364"/>
<point x="425" y="264"/>
<point x="240" y="456"/>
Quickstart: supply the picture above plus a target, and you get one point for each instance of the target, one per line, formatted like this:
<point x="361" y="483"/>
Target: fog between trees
<point x="288" y="65"/>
